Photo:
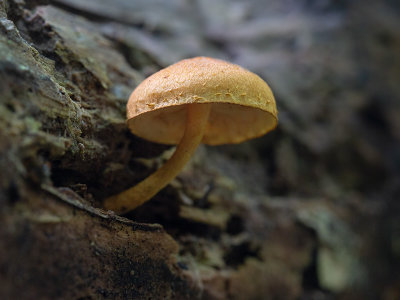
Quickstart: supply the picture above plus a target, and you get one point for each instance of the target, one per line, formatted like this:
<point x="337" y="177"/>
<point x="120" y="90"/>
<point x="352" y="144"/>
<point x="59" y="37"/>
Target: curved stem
<point x="196" y="122"/>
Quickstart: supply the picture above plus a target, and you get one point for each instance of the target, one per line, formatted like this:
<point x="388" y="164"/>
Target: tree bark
<point x="307" y="212"/>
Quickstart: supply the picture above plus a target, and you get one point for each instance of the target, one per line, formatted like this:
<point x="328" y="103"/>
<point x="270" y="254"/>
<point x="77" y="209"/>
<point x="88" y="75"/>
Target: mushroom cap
<point x="243" y="106"/>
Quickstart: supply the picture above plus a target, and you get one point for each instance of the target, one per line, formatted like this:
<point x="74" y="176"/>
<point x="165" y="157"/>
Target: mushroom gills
<point x="228" y="123"/>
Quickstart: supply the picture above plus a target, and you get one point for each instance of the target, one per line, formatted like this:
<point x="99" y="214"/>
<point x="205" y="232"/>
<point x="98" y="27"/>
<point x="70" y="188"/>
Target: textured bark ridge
<point x="307" y="212"/>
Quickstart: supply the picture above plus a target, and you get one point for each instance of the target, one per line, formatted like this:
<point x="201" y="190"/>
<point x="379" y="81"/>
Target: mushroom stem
<point x="196" y="122"/>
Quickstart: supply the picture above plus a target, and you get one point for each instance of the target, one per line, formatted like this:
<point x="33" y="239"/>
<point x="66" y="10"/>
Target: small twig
<point x="70" y="197"/>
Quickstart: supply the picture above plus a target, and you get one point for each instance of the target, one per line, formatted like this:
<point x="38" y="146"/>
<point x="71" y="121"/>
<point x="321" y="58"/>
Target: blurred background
<point x="326" y="181"/>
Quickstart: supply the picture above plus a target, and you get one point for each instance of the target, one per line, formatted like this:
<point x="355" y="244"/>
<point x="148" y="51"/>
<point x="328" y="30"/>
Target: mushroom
<point x="195" y="100"/>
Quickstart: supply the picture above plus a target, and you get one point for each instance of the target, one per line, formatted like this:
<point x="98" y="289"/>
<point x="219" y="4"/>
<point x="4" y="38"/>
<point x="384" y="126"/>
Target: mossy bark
<point x="308" y="211"/>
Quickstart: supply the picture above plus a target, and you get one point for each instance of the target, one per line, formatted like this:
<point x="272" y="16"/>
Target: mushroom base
<point x="196" y="123"/>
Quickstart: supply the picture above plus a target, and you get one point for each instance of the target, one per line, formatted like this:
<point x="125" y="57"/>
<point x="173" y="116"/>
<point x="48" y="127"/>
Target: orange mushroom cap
<point x="243" y="106"/>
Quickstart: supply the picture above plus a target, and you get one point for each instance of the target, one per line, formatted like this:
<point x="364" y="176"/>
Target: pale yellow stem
<point x="196" y="122"/>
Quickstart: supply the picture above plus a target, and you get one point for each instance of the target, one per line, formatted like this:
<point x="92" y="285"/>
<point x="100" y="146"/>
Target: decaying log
<point x="307" y="212"/>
